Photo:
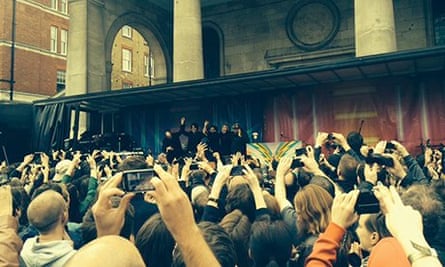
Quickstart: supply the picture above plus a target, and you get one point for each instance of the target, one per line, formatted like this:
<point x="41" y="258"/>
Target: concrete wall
<point x="251" y="32"/>
<point x="254" y="35"/>
<point x="410" y="24"/>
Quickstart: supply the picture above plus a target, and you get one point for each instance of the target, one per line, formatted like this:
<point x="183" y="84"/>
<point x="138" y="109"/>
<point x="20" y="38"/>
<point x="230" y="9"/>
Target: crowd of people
<point x="337" y="202"/>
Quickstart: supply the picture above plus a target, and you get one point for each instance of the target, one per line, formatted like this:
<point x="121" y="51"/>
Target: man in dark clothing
<point x="240" y="140"/>
<point x="225" y="141"/>
<point x="171" y="145"/>
<point x="194" y="136"/>
<point x="212" y="139"/>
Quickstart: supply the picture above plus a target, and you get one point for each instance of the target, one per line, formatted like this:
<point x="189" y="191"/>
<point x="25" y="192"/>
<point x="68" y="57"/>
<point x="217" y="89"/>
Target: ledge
<point x="292" y="56"/>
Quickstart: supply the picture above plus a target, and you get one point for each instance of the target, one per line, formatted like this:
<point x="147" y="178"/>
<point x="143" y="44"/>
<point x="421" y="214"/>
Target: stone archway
<point x="93" y="26"/>
<point x="151" y="34"/>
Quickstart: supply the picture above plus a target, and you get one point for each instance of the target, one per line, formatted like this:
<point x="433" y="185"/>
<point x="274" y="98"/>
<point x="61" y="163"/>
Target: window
<point x="127" y="31"/>
<point x="438" y="7"/>
<point x="151" y="66"/>
<point x="61" y="80"/>
<point x="63" y="42"/>
<point x="53" y="45"/>
<point x="126" y="60"/>
<point x="54" y="4"/>
<point x="127" y="85"/>
<point x="146" y="65"/>
<point x="64" y="6"/>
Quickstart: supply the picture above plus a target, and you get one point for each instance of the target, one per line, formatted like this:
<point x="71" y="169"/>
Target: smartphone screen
<point x="138" y="180"/>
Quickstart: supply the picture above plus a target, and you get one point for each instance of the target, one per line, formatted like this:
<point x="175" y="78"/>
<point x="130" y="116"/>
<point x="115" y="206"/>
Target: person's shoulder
<point x="388" y="252"/>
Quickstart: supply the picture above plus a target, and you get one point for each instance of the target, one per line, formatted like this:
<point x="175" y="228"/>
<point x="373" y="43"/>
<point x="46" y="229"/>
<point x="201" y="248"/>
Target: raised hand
<point x="109" y="220"/>
<point x="284" y="166"/>
<point x="343" y="209"/>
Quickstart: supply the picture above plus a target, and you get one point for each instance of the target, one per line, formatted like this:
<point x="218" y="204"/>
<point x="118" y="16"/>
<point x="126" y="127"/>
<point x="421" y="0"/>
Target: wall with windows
<point x="40" y="48"/>
<point x="131" y="60"/>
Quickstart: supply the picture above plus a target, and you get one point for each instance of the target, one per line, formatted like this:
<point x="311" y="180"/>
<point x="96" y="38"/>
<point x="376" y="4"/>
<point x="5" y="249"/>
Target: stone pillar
<point x="374" y="27"/>
<point x="187" y="41"/>
<point x="86" y="49"/>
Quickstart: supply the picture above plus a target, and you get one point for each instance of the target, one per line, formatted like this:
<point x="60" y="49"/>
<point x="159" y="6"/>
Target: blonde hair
<point x="313" y="207"/>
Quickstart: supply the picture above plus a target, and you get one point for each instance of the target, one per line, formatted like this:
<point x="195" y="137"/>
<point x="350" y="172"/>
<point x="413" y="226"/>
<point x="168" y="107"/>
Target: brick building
<point x="132" y="62"/>
<point x="41" y="46"/>
<point x="41" y="49"/>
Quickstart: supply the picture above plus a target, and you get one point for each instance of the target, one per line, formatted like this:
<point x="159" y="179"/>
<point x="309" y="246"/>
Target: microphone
<point x="361" y="125"/>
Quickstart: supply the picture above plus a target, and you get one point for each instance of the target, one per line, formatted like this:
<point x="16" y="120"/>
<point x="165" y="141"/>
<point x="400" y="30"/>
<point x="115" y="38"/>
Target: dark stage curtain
<point x="51" y="126"/>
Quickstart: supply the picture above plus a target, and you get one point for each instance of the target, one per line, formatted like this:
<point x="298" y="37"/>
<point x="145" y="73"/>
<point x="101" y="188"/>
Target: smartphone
<point x="390" y="147"/>
<point x="138" y="180"/>
<point x="296" y="163"/>
<point x="300" y="151"/>
<point x="380" y="160"/>
<point x="37" y="157"/>
<point x="367" y="203"/>
<point x="237" y="171"/>
<point x="194" y="166"/>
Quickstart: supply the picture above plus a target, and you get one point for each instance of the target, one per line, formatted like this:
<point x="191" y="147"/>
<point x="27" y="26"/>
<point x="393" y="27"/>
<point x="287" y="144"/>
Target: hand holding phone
<point x="138" y="180"/>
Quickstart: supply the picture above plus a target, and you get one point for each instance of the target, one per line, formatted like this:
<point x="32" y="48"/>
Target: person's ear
<point x="18" y="213"/>
<point x="375" y="237"/>
<point x="65" y="217"/>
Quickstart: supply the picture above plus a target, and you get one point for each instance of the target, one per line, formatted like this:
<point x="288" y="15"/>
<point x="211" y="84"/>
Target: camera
<point x="330" y="143"/>
<point x="380" y="160"/>
<point x="138" y="180"/>
<point x="367" y="202"/>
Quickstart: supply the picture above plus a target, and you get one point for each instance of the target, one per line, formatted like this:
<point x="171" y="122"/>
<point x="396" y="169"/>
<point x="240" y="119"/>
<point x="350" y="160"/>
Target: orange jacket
<point x="10" y="243"/>
<point x="324" y="251"/>
<point x="386" y="253"/>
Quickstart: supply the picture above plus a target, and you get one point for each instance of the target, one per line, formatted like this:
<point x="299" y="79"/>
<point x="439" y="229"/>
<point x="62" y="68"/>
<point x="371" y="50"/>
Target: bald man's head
<point x="46" y="211"/>
<point x="111" y="250"/>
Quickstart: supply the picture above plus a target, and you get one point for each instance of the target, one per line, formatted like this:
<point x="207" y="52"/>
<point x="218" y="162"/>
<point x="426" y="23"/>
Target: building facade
<point x="40" y="48"/>
<point x="40" y="51"/>
<point x="132" y="64"/>
<point x="234" y="39"/>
